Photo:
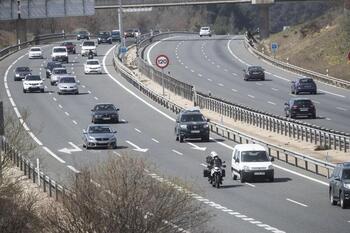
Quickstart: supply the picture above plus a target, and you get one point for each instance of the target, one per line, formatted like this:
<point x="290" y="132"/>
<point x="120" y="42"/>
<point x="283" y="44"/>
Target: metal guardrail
<point x="297" y="159"/>
<point x="296" y="129"/>
<point x="47" y="184"/>
<point x="318" y="76"/>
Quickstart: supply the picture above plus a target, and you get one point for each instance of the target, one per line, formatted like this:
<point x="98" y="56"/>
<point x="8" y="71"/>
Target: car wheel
<point x="343" y="203"/>
<point x="243" y="177"/>
<point x="292" y="116"/>
<point x="297" y="93"/>
<point x="52" y="83"/>
<point x="24" y="91"/>
<point x="42" y="90"/>
<point x="234" y="177"/>
<point x="181" y="138"/>
<point x="176" y="138"/>
<point x="271" y="178"/>
<point x="205" y="139"/>
<point x="331" y="197"/>
<point x="59" y="93"/>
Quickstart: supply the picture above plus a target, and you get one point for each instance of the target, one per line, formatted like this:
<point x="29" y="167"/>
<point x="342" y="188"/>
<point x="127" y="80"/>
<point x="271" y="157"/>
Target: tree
<point x="119" y="196"/>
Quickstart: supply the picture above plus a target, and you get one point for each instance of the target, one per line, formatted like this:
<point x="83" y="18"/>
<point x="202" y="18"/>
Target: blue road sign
<point x="274" y="47"/>
<point x="123" y="49"/>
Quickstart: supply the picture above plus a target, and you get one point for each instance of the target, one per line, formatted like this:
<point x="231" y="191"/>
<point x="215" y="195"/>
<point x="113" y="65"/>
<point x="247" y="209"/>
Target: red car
<point x="70" y="46"/>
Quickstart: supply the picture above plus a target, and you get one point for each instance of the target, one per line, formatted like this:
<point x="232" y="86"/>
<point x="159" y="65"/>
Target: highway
<point x="216" y="65"/>
<point x="296" y="202"/>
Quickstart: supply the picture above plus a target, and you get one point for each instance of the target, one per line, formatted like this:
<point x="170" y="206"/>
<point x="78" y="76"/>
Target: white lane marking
<point x="296" y="202"/>
<point x="50" y="93"/>
<point x="54" y="99"/>
<point x="301" y="175"/>
<point x="234" y="74"/>
<point x="137" y="148"/>
<point x="89" y="92"/>
<point x="17" y="112"/>
<point x="95" y="98"/>
<point x="274" y="89"/>
<point x="200" y="75"/>
<point x="186" y="67"/>
<point x="213" y="63"/>
<point x="342" y="109"/>
<point x="328" y="119"/>
<point x="155" y="140"/>
<point x="75" y="122"/>
<point x="66" y="113"/>
<point x="279" y="77"/>
<point x="234" y="90"/>
<point x="114" y="152"/>
<point x="83" y="86"/>
<point x="73" y="169"/>
<point x="203" y="165"/>
<point x="210" y="80"/>
<point x="271" y="103"/>
<point x="35" y="139"/>
<point x="192" y="71"/>
<point x="137" y="130"/>
<point x="60" y="106"/>
<point x="259" y="84"/>
<point x="172" y="119"/>
<point x="177" y="152"/>
<point x="53" y="155"/>
<point x="225" y="70"/>
<point x="150" y="49"/>
<point x="251" y="185"/>
<point x="267" y="72"/>
<point x="234" y="55"/>
<point x="45" y="87"/>
<point x="221" y="85"/>
<point x="331" y="93"/>
<point x="251" y="96"/>
<point x="218" y="66"/>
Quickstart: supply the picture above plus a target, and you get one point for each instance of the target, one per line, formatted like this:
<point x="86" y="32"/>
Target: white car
<point x="92" y="66"/>
<point x="251" y="161"/>
<point x="67" y="85"/>
<point x="205" y="31"/>
<point x="59" y="53"/>
<point x="35" y="52"/>
<point x="88" y="45"/>
<point x="56" y="74"/>
<point x="33" y="83"/>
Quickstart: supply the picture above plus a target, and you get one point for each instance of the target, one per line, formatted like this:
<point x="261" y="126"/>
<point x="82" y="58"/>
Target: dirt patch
<point x="7" y="38"/>
<point x="271" y="137"/>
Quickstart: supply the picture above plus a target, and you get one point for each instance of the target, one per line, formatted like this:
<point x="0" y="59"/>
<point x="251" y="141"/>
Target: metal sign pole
<point x="163" y="80"/>
<point x="2" y="130"/>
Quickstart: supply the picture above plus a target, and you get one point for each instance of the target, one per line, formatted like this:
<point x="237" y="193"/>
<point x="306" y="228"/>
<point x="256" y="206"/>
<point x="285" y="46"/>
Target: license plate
<point x="106" y="118"/>
<point x="259" y="173"/>
<point x="195" y="131"/>
<point x="304" y="109"/>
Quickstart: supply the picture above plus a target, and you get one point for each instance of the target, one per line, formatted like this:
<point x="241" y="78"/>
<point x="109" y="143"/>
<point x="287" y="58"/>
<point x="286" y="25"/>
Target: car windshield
<point x="306" y="80"/>
<point x="254" y="69"/>
<point x="23" y="69"/>
<point x="92" y="62"/>
<point x="115" y="33"/>
<point x="89" y="43"/>
<point x="103" y="34"/>
<point x="254" y="156"/>
<point x="33" y="77"/>
<point x="346" y="174"/>
<point x="35" y="49"/>
<point x="302" y="102"/>
<point x="60" y="71"/>
<point x="83" y="33"/>
<point x="59" y="50"/>
<point x="192" y="117"/>
<point x="205" y="29"/>
<point x="67" y="80"/>
<point x="99" y="129"/>
<point x="104" y="107"/>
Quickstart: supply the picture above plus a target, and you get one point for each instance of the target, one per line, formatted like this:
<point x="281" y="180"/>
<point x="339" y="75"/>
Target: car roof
<point x="258" y="67"/>
<point x="250" y="147"/>
<point x="93" y="60"/>
<point x="103" y="104"/>
<point x="59" y="47"/>
<point x="191" y="110"/>
<point x="102" y="125"/>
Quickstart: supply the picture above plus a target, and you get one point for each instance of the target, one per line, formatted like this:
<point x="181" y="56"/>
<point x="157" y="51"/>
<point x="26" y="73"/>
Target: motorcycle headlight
<point x="347" y="186"/>
<point x="246" y="168"/>
<point x="183" y="126"/>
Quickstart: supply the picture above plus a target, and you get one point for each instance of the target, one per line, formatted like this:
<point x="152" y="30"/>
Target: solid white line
<point x="234" y="55"/>
<point x="95" y="98"/>
<point x="177" y="152"/>
<point x="35" y="139"/>
<point x="279" y="77"/>
<point x="149" y="51"/>
<point x="66" y="113"/>
<point x="210" y="80"/>
<point x="17" y="113"/>
<point x="53" y="154"/>
<point x="60" y="106"/>
<point x="259" y="84"/>
<point x="331" y="93"/>
<point x="301" y="175"/>
<point x="298" y="203"/>
<point x="54" y="99"/>
<point x="251" y="96"/>
<point x="251" y="185"/>
<point x="192" y="71"/>
<point x="271" y="103"/>
<point x="75" y="122"/>
<point x="138" y="130"/>
<point x="221" y="85"/>
<point x="89" y="92"/>
<point x="73" y="169"/>
<point x="114" y="152"/>
<point x="156" y="141"/>
<point x="342" y="109"/>
<point x="234" y="90"/>
<point x="274" y="89"/>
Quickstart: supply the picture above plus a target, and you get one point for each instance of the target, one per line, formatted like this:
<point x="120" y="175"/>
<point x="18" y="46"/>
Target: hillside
<point x="321" y="44"/>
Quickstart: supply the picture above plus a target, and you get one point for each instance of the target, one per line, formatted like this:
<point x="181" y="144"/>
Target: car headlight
<point x="98" y="115"/>
<point x="109" y="38"/>
<point x="205" y="126"/>
<point x="17" y="75"/>
<point x="183" y="126"/>
<point x="347" y="186"/>
<point x="246" y="168"/>
<point x="270" y="167"/>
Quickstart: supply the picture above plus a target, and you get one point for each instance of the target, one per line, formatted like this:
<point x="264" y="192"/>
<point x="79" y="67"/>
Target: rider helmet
<point x="213" y="154"/>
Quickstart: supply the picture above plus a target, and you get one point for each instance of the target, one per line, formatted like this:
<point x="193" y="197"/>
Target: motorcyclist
<point x="213" y="160"/>
<point x="90" y="54"/>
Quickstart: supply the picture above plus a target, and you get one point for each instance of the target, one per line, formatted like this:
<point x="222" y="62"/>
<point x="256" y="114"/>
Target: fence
<point x="285" y="126"/>
<point x="297" y="159"/>
<point x="47" y="184"/>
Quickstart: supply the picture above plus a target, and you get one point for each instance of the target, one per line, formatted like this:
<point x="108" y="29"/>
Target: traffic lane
<point x="176" y="172"/>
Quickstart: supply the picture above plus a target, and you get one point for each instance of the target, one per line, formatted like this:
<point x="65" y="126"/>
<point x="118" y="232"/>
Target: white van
<point x="251" y="161"/>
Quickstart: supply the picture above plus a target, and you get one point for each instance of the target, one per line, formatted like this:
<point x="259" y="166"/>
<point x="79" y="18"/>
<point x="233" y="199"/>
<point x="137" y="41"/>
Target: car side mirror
<point x="286" y="104"/>
<point x="117" y="109"/>
<point x="224" y="165"/>
<point x="272" y="159"/>
<point x="92" y="110"/>
<point x="84" y="131"/>
<point x="337" y="178"/>
<point x="208" y="120"/>
<point x="114" y="131"/>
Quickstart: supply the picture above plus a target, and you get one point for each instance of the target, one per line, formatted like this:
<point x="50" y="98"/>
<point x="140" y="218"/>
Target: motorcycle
<point x="215" y="175"/>
<point x="90" y="56"/>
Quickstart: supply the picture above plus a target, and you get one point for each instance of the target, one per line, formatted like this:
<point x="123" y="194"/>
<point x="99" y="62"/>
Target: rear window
<point x="35" y="49"/>
<point x="254" y="68"/>
<point x="254" y="156"/>
<point x="67" y="80"/>
<point x="115" y="33"/>
<point x="92" y="62"/>
<point x="306" y="80"/>
<point x="302" y="102"/>
<point x="89" y="43"/>
<point x="205" y="29"/>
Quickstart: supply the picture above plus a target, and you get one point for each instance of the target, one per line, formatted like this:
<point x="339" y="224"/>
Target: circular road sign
<point x="162" y="61"/>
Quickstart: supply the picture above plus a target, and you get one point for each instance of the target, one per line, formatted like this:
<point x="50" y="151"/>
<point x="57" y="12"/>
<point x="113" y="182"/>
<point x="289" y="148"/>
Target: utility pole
<point x="21" y="27"/>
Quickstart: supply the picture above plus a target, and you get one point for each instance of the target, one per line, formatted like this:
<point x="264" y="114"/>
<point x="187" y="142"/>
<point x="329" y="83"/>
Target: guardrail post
<point x="44" y="183"/>
<point x="50" y="188"/>
<point x="56" y="191"/>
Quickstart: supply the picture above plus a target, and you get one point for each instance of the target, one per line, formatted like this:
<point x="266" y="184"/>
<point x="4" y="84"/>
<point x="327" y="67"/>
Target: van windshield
<point x="254" y="156"/>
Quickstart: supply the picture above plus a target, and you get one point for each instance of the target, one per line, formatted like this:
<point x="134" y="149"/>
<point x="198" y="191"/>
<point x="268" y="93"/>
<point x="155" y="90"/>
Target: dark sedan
<point x="70" y="46"/>
<point x="105" y="112"/>
<point x="21" y="72"/>
<point x="83" y="35"/>
<point x="104" y="37"/>
<point x="99" y="136"/>
<point x="303" y="85"/>
<point x="300" y="107"/>
<point x="50" y="66"/>
<point x="254" y="73"/>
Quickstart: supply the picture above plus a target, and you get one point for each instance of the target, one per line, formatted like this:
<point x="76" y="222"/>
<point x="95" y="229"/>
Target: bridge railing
<point x="306" y="162"/>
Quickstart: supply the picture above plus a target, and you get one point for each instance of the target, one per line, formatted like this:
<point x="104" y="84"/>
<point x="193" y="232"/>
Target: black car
<point x="129" y="33"/>
<point x="303" y="85"/>
<point x="105" y="112"/>
<point x="50" y="65"/>
<point x="21" y="72"/>
<point x="191" y="123"/>
<point x="339" y="185"/>
<point x="104" y="37"/>
<point x="254" y="73"/>
<point x="116" y="35"/>
<point x="70" y="46"/>
<point x="83" y="35"/>
<point x="300" y="107"/>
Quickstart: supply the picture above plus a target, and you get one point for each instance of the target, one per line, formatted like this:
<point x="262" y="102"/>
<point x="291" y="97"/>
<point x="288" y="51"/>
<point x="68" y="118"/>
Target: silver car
<point x="99" y="136"/>
<point x="67" y="85"/>
<point x="56" y="74"/>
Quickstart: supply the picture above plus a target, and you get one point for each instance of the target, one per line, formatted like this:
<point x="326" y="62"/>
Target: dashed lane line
<point x="155" y="140"/>
<point x="296" y="202"/>
<point x="177" y="152"/>
<point x="137" y="130"/>
<point x="73" y="169"/>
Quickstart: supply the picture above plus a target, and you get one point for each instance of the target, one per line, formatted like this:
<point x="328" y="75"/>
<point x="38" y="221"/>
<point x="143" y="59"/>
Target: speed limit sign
<point x="162" y="61"/>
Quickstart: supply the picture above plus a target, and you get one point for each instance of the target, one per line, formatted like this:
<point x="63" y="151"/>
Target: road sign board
<point x="274" y="47"/>
<point x="162" y="61"/>
<point x="123" y="49"/>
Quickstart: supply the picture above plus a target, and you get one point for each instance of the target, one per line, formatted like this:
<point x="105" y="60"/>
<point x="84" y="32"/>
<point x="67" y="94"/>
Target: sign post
<point x="162" y="62"/>
<point x="2" y="130"/>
